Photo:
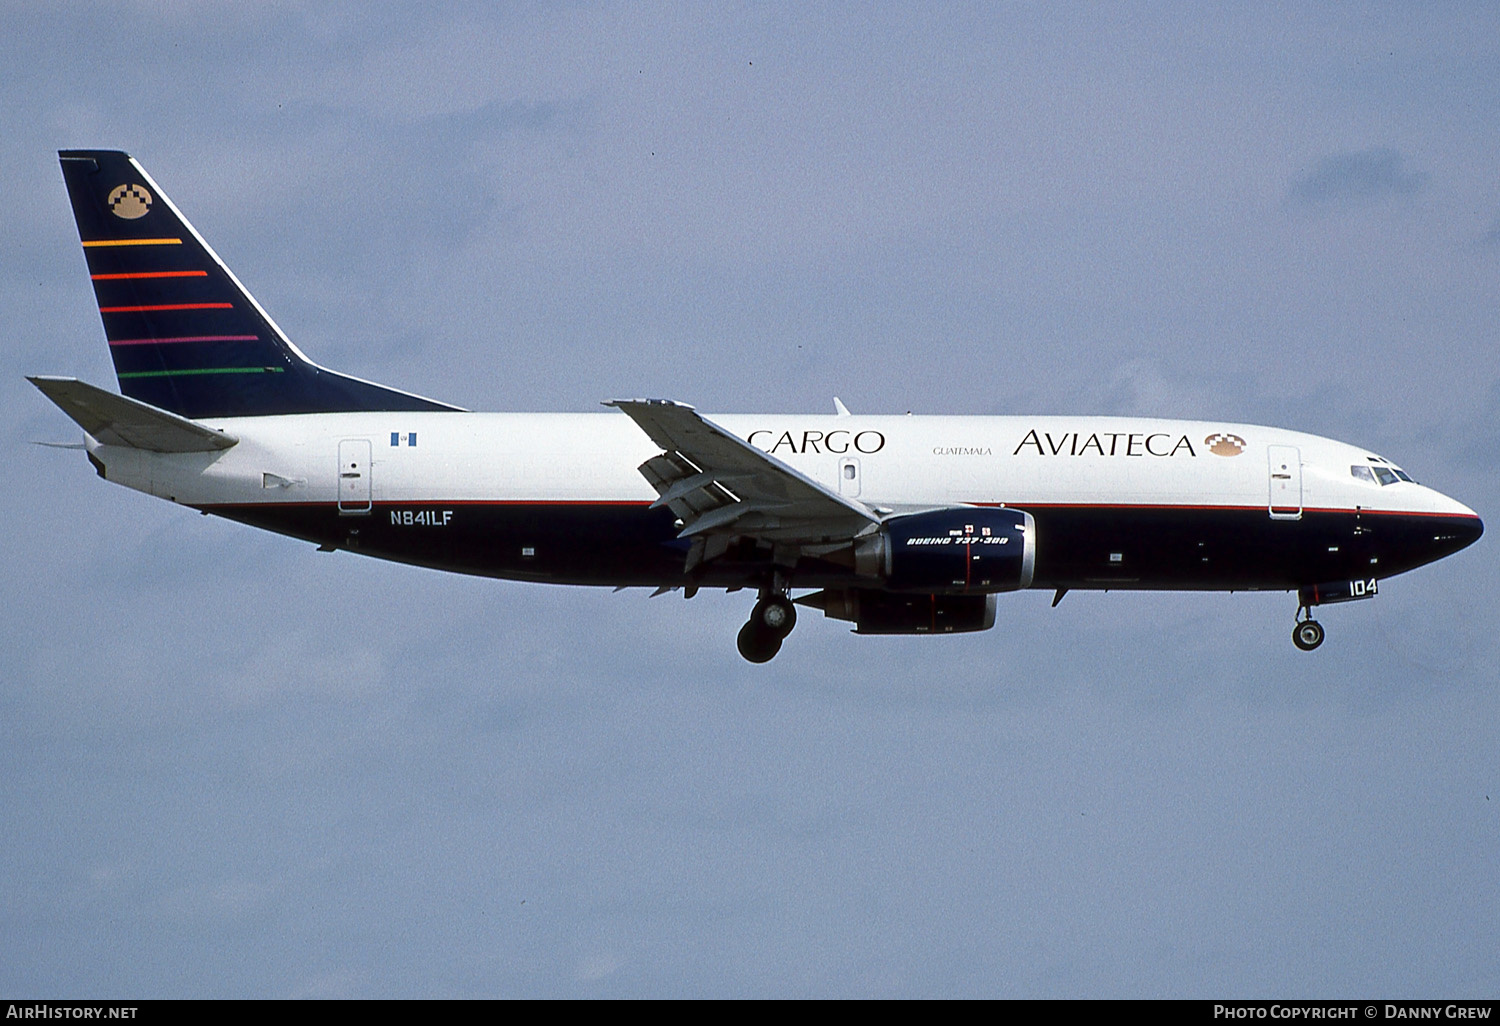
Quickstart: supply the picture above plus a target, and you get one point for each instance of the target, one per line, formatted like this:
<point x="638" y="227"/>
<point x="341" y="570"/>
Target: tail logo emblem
<point x="1223" y="444"/>
<point x="129" y="201"/>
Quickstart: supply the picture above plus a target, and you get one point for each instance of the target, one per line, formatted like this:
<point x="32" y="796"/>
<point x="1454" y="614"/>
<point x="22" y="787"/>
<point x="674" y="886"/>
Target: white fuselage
<point x="891" y="462"/>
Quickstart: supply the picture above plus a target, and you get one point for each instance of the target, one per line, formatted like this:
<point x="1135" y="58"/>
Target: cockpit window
<point x="1378" y="474"/>
<point x="1380" y="470"/>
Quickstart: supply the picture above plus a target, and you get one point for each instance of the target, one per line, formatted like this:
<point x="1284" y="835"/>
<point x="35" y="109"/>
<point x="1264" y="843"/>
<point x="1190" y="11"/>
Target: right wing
<point x="721" y="486"/>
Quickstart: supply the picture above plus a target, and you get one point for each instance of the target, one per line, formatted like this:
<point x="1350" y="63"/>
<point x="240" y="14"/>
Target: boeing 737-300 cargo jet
<point x="898" y="524"/>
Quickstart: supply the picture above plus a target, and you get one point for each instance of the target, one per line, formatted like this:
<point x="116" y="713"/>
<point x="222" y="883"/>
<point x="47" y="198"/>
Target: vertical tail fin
<point x="185" y="335"/>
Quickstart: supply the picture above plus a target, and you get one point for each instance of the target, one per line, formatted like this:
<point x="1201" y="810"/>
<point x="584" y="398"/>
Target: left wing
<point x="721" y="486"/>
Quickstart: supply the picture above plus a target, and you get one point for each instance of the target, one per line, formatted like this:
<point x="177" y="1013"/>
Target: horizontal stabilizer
<point x="118" y="420"/>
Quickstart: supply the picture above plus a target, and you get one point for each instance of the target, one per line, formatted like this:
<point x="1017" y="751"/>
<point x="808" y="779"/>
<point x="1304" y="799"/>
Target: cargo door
<point x="354" y="476"/>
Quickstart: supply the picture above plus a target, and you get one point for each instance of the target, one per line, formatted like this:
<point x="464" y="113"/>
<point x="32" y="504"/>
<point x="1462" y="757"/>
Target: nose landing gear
<point x="770" y="622"/>
<point x="1307" y="634"/>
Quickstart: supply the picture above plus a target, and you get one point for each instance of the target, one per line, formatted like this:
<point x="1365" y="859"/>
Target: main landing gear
<point x="770" y="622"/>
<point x="1307" y="633"/>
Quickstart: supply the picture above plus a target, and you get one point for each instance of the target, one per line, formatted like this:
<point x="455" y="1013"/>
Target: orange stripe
<point x="150" y="274"/>
<point x="132" y="242"/>
<point x="166" y="306"/>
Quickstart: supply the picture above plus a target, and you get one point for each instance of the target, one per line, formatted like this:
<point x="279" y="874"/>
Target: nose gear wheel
<point x="1307" y="633"/>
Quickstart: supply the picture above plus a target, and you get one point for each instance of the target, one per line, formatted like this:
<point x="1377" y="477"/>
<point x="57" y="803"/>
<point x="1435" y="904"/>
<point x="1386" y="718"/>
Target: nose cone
<point x="1457" y="528"/>
<point x="1468" y="530"/>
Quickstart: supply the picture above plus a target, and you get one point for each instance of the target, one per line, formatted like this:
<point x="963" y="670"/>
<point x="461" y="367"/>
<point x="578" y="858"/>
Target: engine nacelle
<point x="955" y="551"/>
<point x="882" y="612"/>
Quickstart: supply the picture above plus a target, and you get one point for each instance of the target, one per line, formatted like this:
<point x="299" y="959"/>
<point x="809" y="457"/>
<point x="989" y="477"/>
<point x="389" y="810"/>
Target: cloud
<point x="1363" y="177"/>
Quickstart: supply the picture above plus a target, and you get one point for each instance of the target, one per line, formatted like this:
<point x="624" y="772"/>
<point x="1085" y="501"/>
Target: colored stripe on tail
<point x="185" y="335"/>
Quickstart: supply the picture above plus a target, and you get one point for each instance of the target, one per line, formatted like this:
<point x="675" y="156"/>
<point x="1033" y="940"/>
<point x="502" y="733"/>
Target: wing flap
<point x="118" y="420"/>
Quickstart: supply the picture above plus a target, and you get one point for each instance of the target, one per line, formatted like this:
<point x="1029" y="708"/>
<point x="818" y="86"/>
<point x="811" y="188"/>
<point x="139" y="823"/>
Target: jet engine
<point x="960" y="551"/>
<point x="935" y="572"/>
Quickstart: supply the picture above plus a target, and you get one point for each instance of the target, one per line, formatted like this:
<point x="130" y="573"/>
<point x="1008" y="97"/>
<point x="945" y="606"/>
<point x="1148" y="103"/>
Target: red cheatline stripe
<point x="642" y="503"/>
<point x="1364" y="510"/>
<point x="1082" y="507"/>
<point x="166" y="306"/>
<point x="149" y="274"/>
<point x="183" y="338"/>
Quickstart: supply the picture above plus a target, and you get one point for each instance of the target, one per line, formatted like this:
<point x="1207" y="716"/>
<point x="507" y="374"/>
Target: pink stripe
<point x="184" y="338"/>
<point x="166" y="306"/>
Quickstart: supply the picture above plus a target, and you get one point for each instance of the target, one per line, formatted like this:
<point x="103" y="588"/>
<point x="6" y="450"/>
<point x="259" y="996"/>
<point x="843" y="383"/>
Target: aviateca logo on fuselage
<point x="1224" y="444"/>
<point x="1105" y="443"/>
<point x="129" y="201"/>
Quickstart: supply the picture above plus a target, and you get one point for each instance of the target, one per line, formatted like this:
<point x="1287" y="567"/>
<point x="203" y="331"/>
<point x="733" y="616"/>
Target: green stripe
<point x="200" y="370"/>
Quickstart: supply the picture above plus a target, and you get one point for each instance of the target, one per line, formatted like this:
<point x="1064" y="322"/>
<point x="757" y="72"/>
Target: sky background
<point x="233" y="766"/>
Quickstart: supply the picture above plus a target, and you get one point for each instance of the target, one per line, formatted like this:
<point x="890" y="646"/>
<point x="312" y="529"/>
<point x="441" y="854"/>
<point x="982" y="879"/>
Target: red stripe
<point x="166" y="306"/>
<point x="520" y="502"/>
<point x="1009" y="505"/>
<point x="1226" y="508"/>
<point x="149" y="274"/>
<point x="445" y="502"/>
<point x="1399" y="513"/>
<point x="1131" y="505"/>
<point x="182" y="338"/>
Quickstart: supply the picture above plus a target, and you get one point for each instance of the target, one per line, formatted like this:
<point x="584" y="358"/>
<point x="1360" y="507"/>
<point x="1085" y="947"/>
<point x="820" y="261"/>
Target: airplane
<point x="897" y="524"/>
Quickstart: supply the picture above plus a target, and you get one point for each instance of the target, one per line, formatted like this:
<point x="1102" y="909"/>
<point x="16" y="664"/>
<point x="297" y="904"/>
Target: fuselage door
<point x="354" y="476"/>
<point x="849" y="477"/>
<point x="1285" y="466"/>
